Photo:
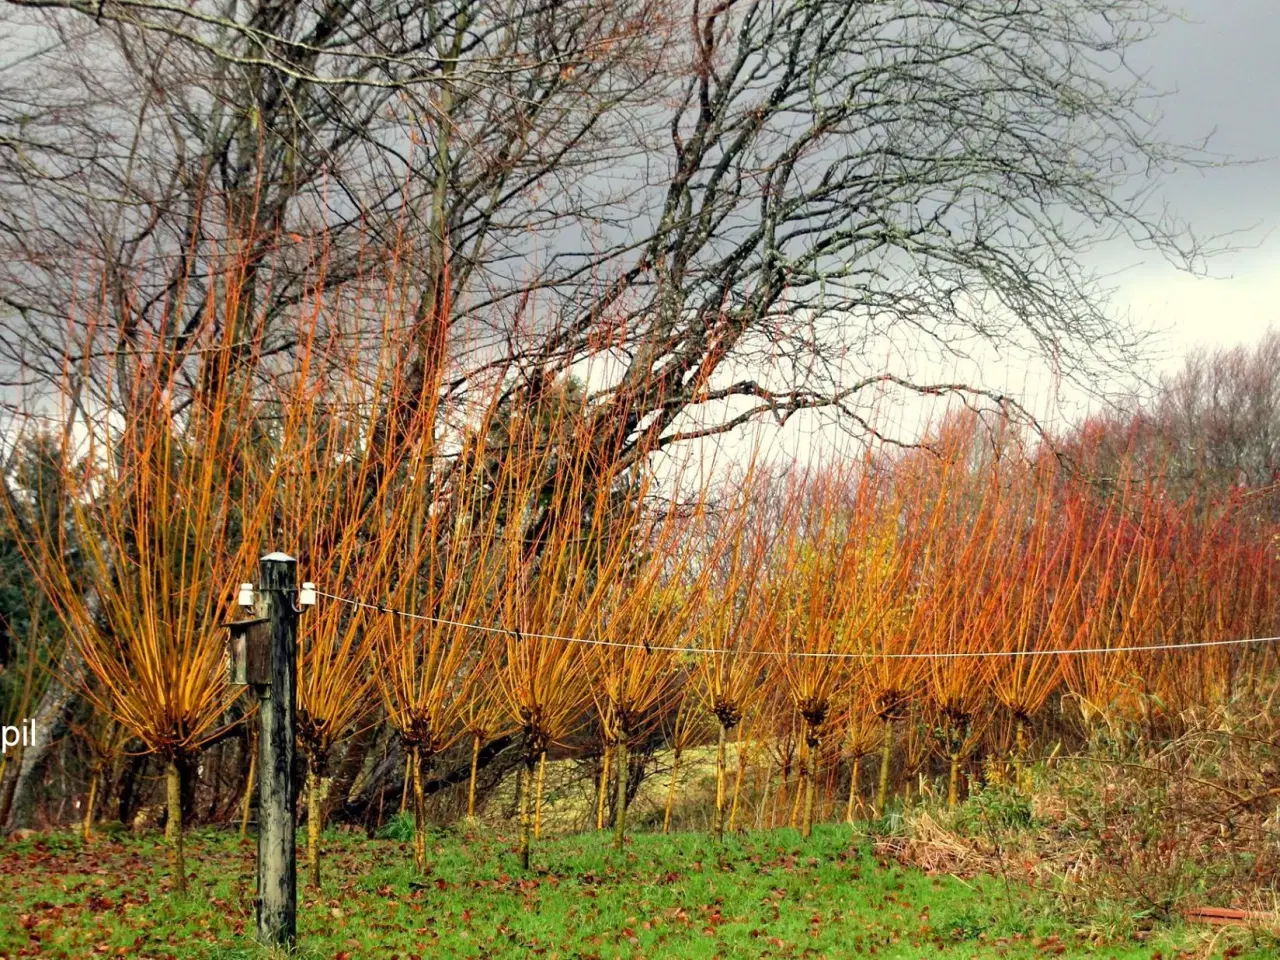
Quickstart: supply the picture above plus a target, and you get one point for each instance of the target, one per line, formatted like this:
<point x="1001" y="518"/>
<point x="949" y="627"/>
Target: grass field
<point x="762" y="895"/>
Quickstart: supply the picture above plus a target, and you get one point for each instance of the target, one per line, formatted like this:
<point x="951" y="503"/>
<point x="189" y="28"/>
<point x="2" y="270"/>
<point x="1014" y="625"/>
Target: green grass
<point x="768" y="894"/>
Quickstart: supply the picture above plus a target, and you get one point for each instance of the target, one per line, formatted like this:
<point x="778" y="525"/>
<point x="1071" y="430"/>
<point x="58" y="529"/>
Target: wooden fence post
<point x="277" y="801"/>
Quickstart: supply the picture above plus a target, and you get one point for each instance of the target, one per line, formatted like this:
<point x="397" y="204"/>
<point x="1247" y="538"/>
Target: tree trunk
<point x="471" y="784"/>
<point x="620" y="798"/>
<point x="89" y="803"/>
<point x="886" y="755"/>
<point x="1019" y="755"/>
<point x="219" y="751"/>
<point x="377" y="761"/>
<point x="419" y="811"/>
<point x="526" y="829"/>
<point x="173" y="829"/>
<point x="671" y="793"/>
<point x="50" y="718"/>
<point x="314" y="824"/>
<point x="720" y="771"/>
<point x="189" y="768"/>
<point x="794" y="819"/>
<point x="853" y="789"/>
<point x="537" y="797"/>
<point x="8" y="777"/>
<point x="346" y="762"/>
<point x="764" y="794"/>
<point x="127" y="790"/>
<point x="810" y="780"/>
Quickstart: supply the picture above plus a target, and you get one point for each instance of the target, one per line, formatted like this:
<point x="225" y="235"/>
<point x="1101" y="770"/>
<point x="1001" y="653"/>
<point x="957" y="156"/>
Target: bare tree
<point x="1210" y="429"/>
<point x="144" y="148"/>
<point x="732" y="215"/>
<point x="837" y="173"/>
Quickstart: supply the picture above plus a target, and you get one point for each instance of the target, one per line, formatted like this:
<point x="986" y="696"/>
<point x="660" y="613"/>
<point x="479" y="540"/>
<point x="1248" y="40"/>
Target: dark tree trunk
<point x="128" y="802"/>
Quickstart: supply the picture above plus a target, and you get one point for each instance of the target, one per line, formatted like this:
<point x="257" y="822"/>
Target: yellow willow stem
<point x="853" y="789"/>
<point x="605" y="760"/>
<point x="419" y="813"/>
<point x="408" y="783"/>
<point x="737" y="782"/>
<point x="526" y="787"/>
<point x="177" y="859"/>
<point x="886" y="755"/>
<point x="671" y="793"/>
<point x="537" y="804"/>
<point x="313" y="826"/>
<point x="622" y="775"/>
<point x="720" y="771"/>
<point x="810" y="786"/>
<point x="953" y="782"/>
<point x="88" y="806"/>
<point x="248" y="795"/>
<point x="471" y="784"/>
<point x="1020" y="752"/>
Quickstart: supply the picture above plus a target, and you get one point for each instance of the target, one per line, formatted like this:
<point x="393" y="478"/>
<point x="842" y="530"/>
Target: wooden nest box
<point x="249" y="651"/>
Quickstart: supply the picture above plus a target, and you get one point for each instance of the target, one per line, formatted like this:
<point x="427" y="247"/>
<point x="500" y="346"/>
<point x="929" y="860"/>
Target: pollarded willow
<point x="738" y="616"/>
<point x="442" y="561"/>
<point x="843" y="570"/>
<point x="635" y="668"/>
<point x="169" y="506"/>
<point x="574" y="525"/>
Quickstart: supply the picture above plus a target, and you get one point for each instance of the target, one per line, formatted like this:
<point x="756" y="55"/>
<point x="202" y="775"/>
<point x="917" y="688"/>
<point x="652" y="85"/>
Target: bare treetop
<point x="723" y="210"/>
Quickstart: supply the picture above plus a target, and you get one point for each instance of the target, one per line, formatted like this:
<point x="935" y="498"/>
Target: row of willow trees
<point x="525" y="581"/>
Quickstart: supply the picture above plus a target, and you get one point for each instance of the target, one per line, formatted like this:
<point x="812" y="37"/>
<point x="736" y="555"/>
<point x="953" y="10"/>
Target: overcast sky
<point x="1221" y="67"/>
